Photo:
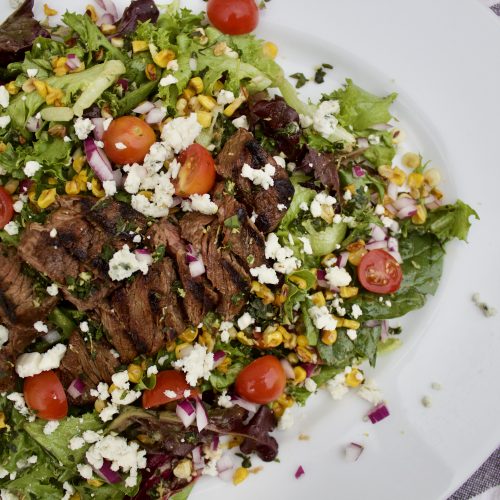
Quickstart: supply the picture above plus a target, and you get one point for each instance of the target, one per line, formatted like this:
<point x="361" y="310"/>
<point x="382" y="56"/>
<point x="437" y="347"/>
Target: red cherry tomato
<point x="233" y="17"/>
<point x="45" y="395"/>
<point x="168" y="380"/>
<point x="197" y="173"/>
<point x="380" y="272"/>
<point x="6" y="208"/>
<point x="262" y="381"/>
<point x="128" y="140"/>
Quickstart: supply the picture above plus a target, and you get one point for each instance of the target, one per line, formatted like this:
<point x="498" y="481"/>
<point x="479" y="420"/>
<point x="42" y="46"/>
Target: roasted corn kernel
<point x="95" y="483"/>
<point x="292" y="358"/>
<point x="302" y="341"/>
<point x="300" y="374"/>
<point x="204" y="118"/>
<point x="40" y="87"/>
<point x="196" y="84"/>
<point x="181" y="105"/>
<point x="240" y="474"/>
<point x="207" y="102"/>
<point x="415" y="180"/>
<point x="180" y="348"/>
<point x="329" y="337"/>
<point x="135" y="373"/>
<point x="354" y="377"/>
<point x="306" y="354"/>
<point x="48" y="11"/>
<point x="220" y="48"/>
<point x="12" y="88"/>
<point x="108" y="29"/>
<point x="225" y="364"/>
<point x="270" y="50"/>
<point x="277" y="409"/>
<point x="207" y="340"/>
<point x="272" y="337"/>
<point x="230" y="110"/>
<point x="350" y="323"/>
<point x="244" y="339"/>
<point x="356" y="256"/>
<point x="97" y="189"/>
<point x="318" y="299"/>
<point x="3" y="425"/>
<point x="78" y="162"/>
<point x="263" y="292"/>
<point x="47" y="197"/>
<point x="139" y="46"/>
<point x="286" y="400"/>
<point x="189" y="334"/>
<point x="411" y="160"/>
<point x="183" y="469"/>
<point x="163" y="57"/>
<point x="281" y="297"/>
<point x="71" y="188"/>
<point x="432" y="177"/>
<point x="150" y="71"/>
<point x="11" y="185"/>
<point x="346" y="292"/>
<point x="99" y="405"/>
<point x="300" y="282"/>
<point x="420" y="216"/>
<point x="145" y="439"/>
<point x="90" y="11"/>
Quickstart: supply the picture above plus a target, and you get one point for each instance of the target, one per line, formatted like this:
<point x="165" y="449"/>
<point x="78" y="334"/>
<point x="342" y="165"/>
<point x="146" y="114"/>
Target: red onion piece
<point x="123" y="84"/>
<point x="25" y="185"/>
<point x="378" y="233"/>
<point x="144" y="108"/>
<point x="196" y="268"/>
<point x="392" y="190"/>
<point x="185" y="412"/>
<point x="391" y="209"/>
<point x="198" y="461"/>
<point x="98" y="128"/>
<point x="309" y="368"/>
<point x="397" y="256"/>
<point x="251" y="407"/>
<point x="381" y="126"/>
<point x="378" y="413"/>
<point x="353" y="451"/>
<point x="73" y="61"/>
<point x="98" y="161"/>
<point x="393" y="244"/>
<point x="76" y="388"/>
<point x="109" y="475"/>
<point x="363" y="142"/>
<point x="106" y="18"/>
<point x="404" y="202"/>
<point x="109" y="7"/>
<point x="287" y="368"/>
<point x="384" y="330"/>
<point x="342" y="260"/>
<point x="323" y="284"/>
<point x="118" y="178"/>
<point x="156" y="115"/>
<point x="33" y="124"/>
<point x="406" y="212"/>
<point x="375" y="245"/>
<point x="321" y="274"/>
<point x="299" y="472"/>
<point x="201" y="415"/>
<point x="144" y="255"/>
<point x="372" y="323"/>
<point x="219" y="357"/>
<point x="215" y="442"/>
<point x="358" y="171"/>
<point x="225" y="463"/>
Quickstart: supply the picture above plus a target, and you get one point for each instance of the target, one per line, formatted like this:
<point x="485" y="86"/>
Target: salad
<point x="188" y="249"/>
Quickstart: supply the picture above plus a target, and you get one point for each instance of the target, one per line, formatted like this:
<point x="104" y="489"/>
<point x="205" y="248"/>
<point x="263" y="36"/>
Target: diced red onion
<point x="372" y="323"/>
<point x="109" y="475"/>
<point x="342" y="260"/>
<point x="98" y="128"/>
<point x="309" y="368"/>
<point x="353" y="451"/>
<point x="358" y="171"/>
<point x="25" y="185"/>
<point x="177" y="200"/>
<point x="143" y="108"/>
<point x="52" y="336"/>
<point x="144" y="255"/>
<point x="247" y="405"/>
<point x="106" y="18"/>
<point x="185" y="412"/>
<point x="156" y="115"/>
<point x="215" y="442"/>
<point x="98" y="161"/>
<point x="123" y="84"/>
<point x="391" y="209"/>
<point x="201" y="415"/>
<point x="225" y="463"/>
<point x="384" y="330"/>
<point x="397" y="256"/>
<point x="392" y="244"/>
<point x="219" y="357"/>
<point x="378" y="233"/>
<point x="287" y="368"/>
<point x="118" y="178"/>
<point x="431" y="202"/>
<point x="406" y="212"/>
<point x="76" y="388"/>
<point x="198" y="461"/>
<point x="323" y="284"/>
<point x="299" y="472"/>
<point x="196" y="268"/>
<point x="404" y="202"/>
<point x="381" y="126"/>
<point x="33" y="124"/>
<point x="73" y="62"/>
<point x="392" y="190"/>
<point x="321" y="274"/>
<point x="394" y="226"/>
<point x="375" y="245"/>
<point x="109" y="7"/>
<point x="378" y="413"/>
<point x="363" y="142"/>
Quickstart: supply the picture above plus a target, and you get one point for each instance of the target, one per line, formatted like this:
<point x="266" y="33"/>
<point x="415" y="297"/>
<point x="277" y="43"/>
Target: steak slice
<point x="7" y="373"/>
<point x="242" y="148"/>
<point x="192" y="226"/>
<point x="226" y="274"/>
<point x="149" y="308"/>
<point x="323" y="166"/>
<point x="246" y="241"/>
<point x="200" y="298"/>
<point x="91" y="364"/>
<point x="116" y="332"/>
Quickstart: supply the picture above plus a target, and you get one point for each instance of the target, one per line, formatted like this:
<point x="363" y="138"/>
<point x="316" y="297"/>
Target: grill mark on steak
<point x="90" y="367"/>
<point x="242" y="148"/>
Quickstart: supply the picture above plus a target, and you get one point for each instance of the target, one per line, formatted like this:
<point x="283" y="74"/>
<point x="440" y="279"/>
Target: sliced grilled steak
<point x="149" y="308"/>
<point x="242" y="148"/>
<point x="226" y="274"/>
<point x="193" y="226"/>
<point x="245" y="241"/>
<point x="91" y="364"/>
<point x="323" y="166"/>
<point x="7" y="373"/>
<point x="200" y="298"/>
<point x="116" y="332"/>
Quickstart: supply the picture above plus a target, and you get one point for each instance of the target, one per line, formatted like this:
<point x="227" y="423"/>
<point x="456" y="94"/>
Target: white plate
<point x="442" y="57"/>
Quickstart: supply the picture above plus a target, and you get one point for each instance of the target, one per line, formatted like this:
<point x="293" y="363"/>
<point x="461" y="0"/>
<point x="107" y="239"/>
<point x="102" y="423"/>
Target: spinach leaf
<point x="312" y="332"/>
<point x="383" y="152"/>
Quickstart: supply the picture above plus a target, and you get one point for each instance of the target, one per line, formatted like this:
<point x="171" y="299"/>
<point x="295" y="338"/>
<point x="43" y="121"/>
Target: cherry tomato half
<point x="262" y="381"/>
<point x="233" y="17"/>
<point x="380" y="272"/>
<point x="128" y="140"/>
<point x="45" y="395"/>
<point x="197" y="173"/>
<point x="168" y="380"/>
<point x="6" y="209"/>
